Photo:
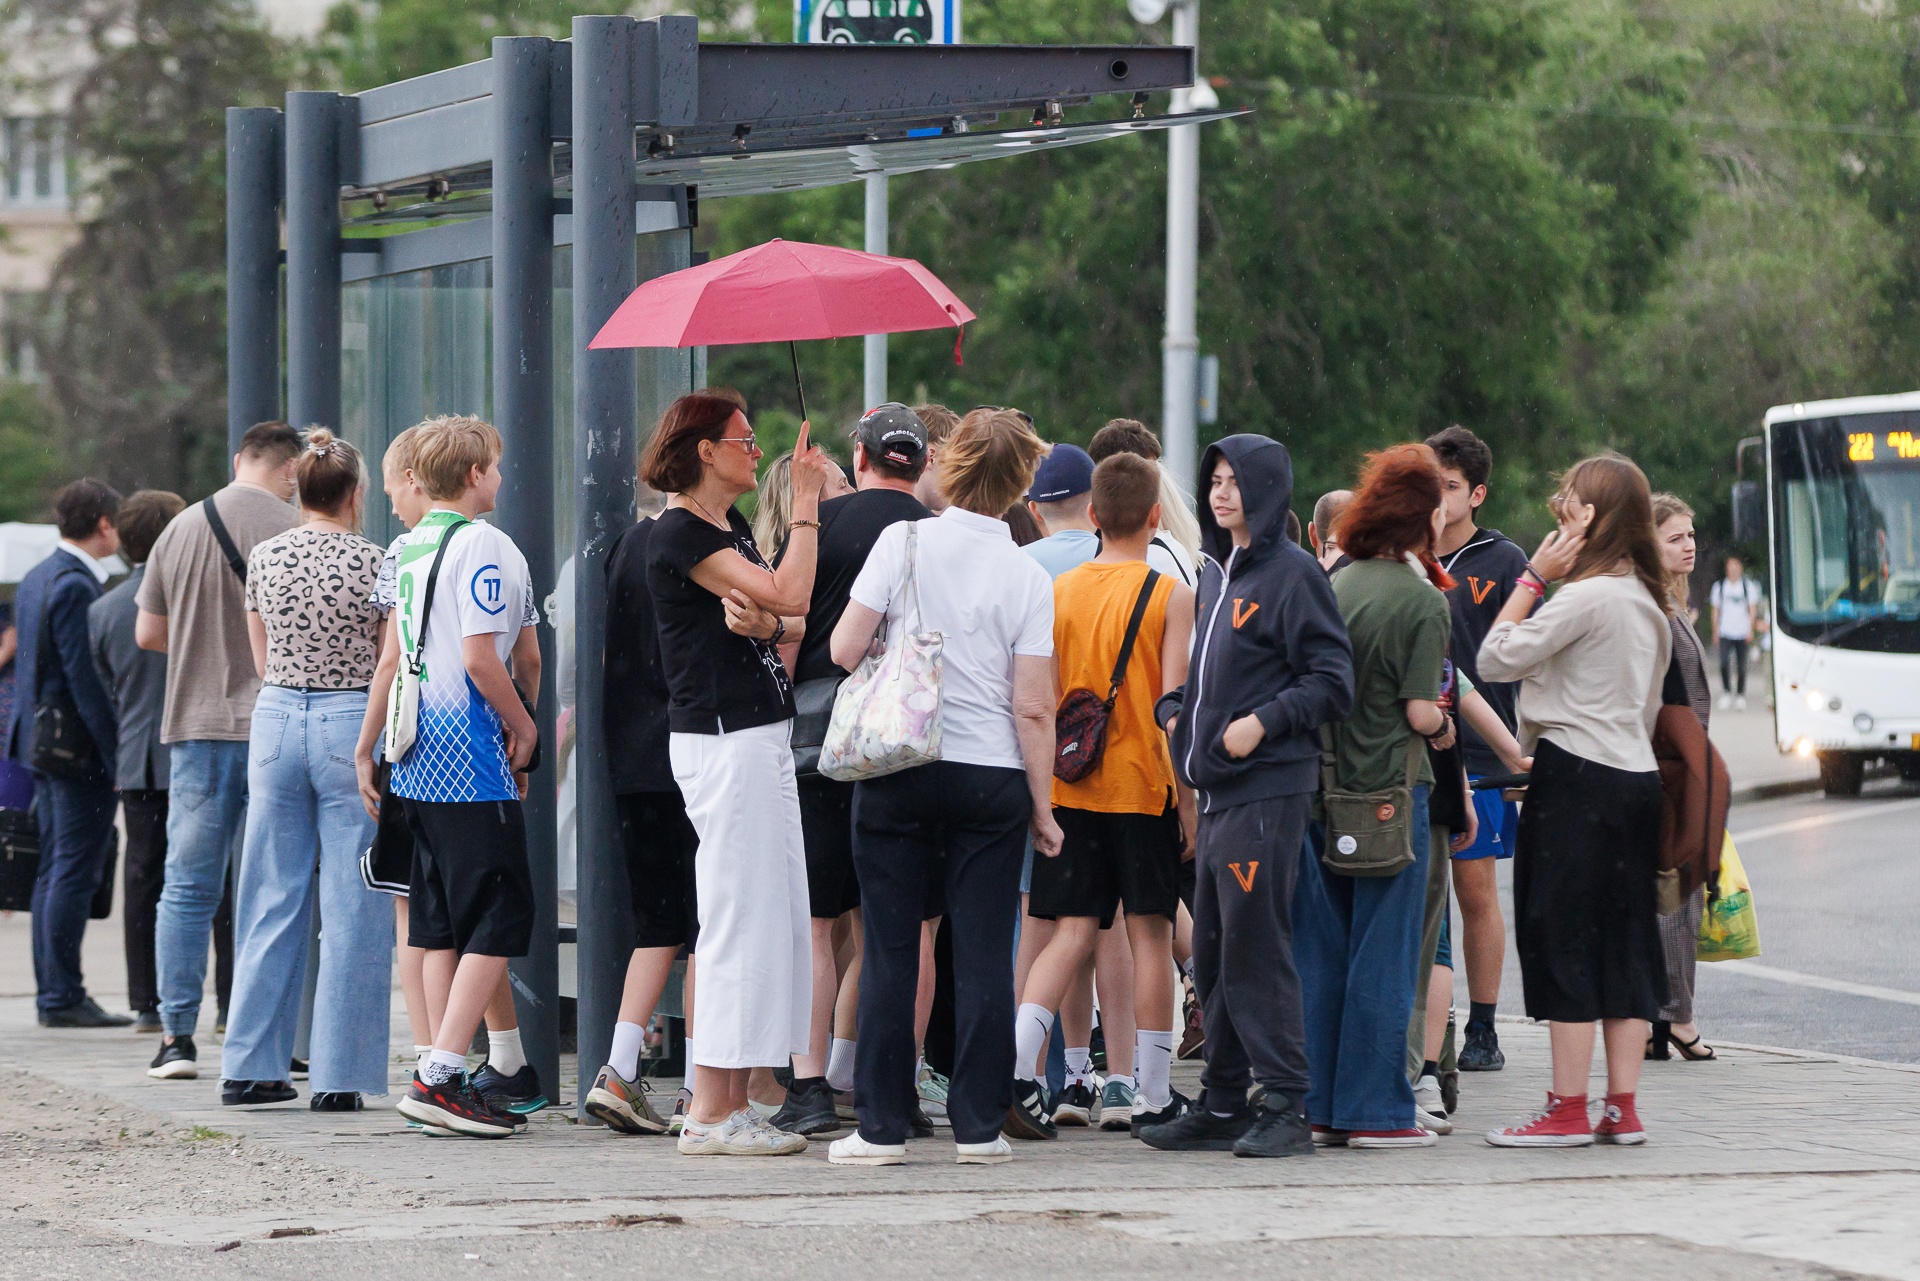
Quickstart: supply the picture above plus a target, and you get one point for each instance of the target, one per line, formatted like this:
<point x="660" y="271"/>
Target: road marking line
<point x="1795" y="977"/>
<point x="1821" y="820"/>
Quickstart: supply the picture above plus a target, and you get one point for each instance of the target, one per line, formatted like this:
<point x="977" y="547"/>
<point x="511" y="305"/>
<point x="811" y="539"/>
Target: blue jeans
<point x="304" y="809"/>
<point x="208" y="780"/>
<point x="75" y="817"/>
<point x="1356" y="941"/>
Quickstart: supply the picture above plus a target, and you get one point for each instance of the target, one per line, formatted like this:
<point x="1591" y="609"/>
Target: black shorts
<point x="826" y="825"/>
<point x="1106" y="860"/>
<point x="472" y="891"/>
<point x="660" y="844"/>
<point x="389" y="868"/>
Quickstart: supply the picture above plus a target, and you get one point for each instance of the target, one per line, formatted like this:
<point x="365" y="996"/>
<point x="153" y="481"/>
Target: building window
<point x="35" y="163"/>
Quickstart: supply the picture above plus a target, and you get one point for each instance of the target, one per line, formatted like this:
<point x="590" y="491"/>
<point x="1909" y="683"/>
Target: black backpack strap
<point x="1133" y="634"/>
<point x="228" y="547"/>
<point x="1160" y="541"/>
<point x="418" y="658"/>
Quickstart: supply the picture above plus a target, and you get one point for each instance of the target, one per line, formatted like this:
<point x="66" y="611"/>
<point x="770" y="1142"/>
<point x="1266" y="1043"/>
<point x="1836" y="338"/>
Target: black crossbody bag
<point x="1080" y="723"/>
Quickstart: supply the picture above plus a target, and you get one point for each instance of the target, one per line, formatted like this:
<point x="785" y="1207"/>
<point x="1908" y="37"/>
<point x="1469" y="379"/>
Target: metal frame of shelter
<point x="592" y="141"/>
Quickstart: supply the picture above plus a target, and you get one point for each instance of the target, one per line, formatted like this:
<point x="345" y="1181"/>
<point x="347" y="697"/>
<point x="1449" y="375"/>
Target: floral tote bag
<point x="886" y="717"/>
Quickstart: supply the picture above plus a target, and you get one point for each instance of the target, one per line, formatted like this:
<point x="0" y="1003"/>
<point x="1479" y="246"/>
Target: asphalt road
<point x="1836" y="886"/>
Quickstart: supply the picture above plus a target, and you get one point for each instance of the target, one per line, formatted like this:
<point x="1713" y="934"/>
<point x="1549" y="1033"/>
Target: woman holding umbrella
<point x="729" y="716"/>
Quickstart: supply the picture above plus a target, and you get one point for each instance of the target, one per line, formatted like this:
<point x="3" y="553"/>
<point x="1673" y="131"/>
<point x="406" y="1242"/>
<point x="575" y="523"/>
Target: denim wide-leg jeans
<point x="206" y="805"/>
<point x="304" y="808"/>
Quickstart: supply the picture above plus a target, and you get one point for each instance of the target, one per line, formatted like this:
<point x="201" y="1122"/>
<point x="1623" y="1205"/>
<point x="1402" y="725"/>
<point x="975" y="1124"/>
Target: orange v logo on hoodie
<point x="1243" y="610"/>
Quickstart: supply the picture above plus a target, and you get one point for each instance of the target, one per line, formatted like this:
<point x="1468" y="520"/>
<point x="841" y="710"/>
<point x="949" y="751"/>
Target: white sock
<point x="840" y="1064"/>
<point x="624" y="1058"/>
<point x="1030" y="1028"/>
<point x="420" y="1053"/>
<point x="442" y="1066"/>
<point x="504" y="1052"/>
<point x="1153" y="1064"/>
<point x="1079" y="1064"/>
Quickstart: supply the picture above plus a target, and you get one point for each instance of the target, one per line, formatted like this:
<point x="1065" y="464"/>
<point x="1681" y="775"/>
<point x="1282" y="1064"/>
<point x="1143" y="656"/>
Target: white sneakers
<point x="996" y="1152"/>
<point x="742" y="1134"/>
<point x="1740" y="703"/>
<point x="854" y="1150"/>
<point x="1428" y="1109"/>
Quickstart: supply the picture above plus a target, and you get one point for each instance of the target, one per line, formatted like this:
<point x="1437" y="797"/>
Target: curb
<point x="1768" y="791"/>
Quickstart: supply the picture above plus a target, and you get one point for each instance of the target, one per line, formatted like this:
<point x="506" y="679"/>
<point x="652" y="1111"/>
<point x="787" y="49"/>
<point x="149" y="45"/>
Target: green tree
<point x="134" y="329"/>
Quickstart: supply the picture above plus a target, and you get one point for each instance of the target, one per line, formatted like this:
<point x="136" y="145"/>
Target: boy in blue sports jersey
<point x="471" y="892"/>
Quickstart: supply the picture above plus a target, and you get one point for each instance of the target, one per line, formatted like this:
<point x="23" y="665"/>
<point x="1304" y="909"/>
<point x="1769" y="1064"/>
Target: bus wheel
<point x="1841" y="773"/>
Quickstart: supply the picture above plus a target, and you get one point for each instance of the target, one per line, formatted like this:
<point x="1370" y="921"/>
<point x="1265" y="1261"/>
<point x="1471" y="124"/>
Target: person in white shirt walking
<point x="1739" y="614"/>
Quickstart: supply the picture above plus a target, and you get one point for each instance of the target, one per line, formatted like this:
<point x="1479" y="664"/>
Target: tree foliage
<point x="134" y="330"/>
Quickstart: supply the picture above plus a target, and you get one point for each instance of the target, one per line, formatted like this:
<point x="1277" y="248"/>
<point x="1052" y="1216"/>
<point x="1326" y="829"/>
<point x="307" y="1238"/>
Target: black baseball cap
<point x="893" y="432"/>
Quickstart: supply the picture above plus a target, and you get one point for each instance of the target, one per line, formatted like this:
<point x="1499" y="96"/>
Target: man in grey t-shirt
<point x="193" y="608"/>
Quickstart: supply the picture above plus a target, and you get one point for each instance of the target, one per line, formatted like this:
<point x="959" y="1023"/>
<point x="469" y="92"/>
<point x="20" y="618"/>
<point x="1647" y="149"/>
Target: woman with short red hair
<point x="1357" y="937"/>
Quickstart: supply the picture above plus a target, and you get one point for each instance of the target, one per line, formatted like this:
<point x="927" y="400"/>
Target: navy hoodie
<point x="1268" y="639"/>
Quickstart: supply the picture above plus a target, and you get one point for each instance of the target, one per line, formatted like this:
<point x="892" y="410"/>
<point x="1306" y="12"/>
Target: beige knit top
<point x="1591" y="662"/>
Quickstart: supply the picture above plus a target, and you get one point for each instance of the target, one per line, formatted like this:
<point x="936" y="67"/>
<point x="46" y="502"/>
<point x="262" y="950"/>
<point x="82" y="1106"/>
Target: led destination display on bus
<point x="1883" y="447"/>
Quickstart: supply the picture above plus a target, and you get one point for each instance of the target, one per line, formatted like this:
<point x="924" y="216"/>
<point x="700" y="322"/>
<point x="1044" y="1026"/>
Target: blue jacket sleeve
<point x="67" y="629"/>
<point x="1315" y="639"/>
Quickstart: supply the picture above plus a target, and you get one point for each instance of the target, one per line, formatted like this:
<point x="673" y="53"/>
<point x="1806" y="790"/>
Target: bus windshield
<point x="1846" y="507"/>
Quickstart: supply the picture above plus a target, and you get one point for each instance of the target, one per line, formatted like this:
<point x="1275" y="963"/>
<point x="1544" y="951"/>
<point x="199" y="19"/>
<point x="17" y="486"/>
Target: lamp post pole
<point x="876" y="369"/>
<point x="1180" y="349"/>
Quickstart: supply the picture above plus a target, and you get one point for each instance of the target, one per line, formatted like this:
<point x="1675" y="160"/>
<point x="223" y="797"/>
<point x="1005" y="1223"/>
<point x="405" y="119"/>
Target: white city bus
<point x="1842" y="523"/>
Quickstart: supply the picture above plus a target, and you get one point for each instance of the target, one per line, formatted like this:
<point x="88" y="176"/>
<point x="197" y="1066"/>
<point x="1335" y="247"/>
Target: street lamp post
<point x="1180" y="348"/>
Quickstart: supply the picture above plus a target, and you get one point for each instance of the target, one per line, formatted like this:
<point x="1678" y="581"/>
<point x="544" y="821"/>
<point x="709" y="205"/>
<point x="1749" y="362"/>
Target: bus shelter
<point x="449" y="244"/>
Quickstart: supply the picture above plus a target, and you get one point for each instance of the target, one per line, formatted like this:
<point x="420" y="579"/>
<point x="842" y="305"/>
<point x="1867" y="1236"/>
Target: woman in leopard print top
<point x="315" y="631"/>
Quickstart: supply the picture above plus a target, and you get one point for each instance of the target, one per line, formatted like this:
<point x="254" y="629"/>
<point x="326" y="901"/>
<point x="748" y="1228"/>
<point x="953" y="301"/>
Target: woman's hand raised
<point x="1557" y="553"/>
<point x="809" y="467"/>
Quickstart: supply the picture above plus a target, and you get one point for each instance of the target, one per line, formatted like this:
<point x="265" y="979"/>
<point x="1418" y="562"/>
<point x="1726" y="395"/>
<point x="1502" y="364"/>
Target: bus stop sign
<point x="876" y="21"/>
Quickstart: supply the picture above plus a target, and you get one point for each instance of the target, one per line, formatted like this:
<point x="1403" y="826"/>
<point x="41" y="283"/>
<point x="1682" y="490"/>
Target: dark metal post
<point x="604" y="392"/>
<point x="313" y="258"/>
<point x="523" y="411"/>
<point x="253" y="269"/>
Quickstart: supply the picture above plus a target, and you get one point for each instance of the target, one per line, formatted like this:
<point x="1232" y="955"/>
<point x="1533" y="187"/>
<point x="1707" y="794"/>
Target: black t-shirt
<point x="1484" y="573"/>
<point x="636" y="690"/>
<point x="849" y="527"/>
<point x="717" y="680"/>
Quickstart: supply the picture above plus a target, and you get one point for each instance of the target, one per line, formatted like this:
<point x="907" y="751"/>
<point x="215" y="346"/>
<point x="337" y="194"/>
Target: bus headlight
<point x="1803" y="748"/>
<point x="1815" y="700"/>
<point x="1863" y="723"/>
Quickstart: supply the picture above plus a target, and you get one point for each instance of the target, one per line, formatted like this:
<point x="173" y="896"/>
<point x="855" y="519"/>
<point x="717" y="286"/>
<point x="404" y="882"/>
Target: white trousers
<point x="755" y="997"/>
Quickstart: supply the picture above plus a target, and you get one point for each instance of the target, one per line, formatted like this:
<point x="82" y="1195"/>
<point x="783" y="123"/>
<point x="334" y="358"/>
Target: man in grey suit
<point x="137" y="681"/>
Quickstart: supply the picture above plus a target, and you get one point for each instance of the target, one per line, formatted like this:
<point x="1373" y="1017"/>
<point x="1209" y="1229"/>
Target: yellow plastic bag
<point x="1729" y="931"/>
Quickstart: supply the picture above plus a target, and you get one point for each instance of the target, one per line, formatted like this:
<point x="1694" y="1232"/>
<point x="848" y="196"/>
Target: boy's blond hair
<point x="399" y="456"/>
<point x="446" y="449"/>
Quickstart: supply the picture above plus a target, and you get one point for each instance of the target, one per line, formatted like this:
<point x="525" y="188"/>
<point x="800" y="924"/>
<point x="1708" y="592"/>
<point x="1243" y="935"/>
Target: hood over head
<point x="1265" y="473"/>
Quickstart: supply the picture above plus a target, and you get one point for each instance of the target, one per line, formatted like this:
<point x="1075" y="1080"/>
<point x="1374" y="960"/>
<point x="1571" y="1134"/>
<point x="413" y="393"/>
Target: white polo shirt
<point x="988" y="599"/>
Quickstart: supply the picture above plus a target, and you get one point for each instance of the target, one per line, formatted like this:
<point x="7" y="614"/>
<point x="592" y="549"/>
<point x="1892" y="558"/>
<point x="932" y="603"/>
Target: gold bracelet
<point x="802" y="524"/>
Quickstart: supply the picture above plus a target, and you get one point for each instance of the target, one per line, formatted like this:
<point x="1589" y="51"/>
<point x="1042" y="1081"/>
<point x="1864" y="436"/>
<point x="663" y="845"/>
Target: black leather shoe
<point x="335" y="1101"/>
<point x="83" y="1013"/>
<point x="1199" y="1130"/>
<point x="808" y="1109"/>
<point x="241" y="1094"/>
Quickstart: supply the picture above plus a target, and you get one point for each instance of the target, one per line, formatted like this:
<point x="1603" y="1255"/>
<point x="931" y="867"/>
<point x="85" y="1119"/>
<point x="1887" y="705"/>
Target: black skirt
<point x="1585" y="909"/>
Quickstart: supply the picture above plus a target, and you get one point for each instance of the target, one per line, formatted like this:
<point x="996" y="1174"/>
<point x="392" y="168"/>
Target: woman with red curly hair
<point x="1357" y="937"/>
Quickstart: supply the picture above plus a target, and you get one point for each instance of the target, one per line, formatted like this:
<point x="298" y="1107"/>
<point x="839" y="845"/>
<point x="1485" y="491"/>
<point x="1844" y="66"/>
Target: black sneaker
<point x="1029" y="1117"/>
<point x="335" y="1101"/>
<point x="1199" y="1130"/>
<point x="1144" y="1114"/>
<point x="455" y="1107"/>
<point x="518" y="1094"/>
<point x="1481" y="1053"/>
<point x="1097" y="1048"/>
<point x="1450" y="1092"/>
<point x="246" y="1094"/>
<point x="1075" y="1106"/>
<point x="177" y="1061"/>
<point x="86" y="1012"/>
<point x="1279" y="1129"/>
<point x="147" y="1022"/>
<point x="919" y="1124"/>
<point x="808" y="1109"/>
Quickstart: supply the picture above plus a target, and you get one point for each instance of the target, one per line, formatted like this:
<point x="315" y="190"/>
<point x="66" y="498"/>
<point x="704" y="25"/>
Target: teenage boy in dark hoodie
<point x="1271" y="665"/>
<point x="1485" y="564"/>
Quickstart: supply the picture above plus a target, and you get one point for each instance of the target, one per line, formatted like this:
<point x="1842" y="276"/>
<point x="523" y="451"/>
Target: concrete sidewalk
<point x="1760" y="1165"/>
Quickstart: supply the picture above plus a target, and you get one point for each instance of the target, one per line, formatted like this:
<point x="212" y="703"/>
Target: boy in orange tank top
<point x="1128" y="823"/>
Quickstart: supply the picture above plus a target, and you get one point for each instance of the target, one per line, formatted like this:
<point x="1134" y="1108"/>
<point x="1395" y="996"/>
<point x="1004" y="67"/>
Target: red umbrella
<point x="783" y="291"/>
